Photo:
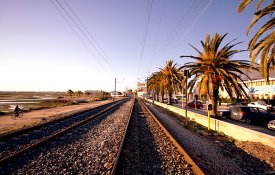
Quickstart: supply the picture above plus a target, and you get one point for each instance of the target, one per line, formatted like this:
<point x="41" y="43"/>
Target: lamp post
<point x="182" y="98"/>
<point x="115" y="91"/>
<point x="147" y="88"/>
<point x="186" y="72"/>
<point x="120" y="81"/>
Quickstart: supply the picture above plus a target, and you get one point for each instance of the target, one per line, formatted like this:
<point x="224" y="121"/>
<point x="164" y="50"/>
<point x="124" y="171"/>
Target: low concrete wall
<point x="235" y="131"/>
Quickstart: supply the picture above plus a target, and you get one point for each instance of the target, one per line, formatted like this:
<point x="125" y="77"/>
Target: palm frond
<point x="259" y="14"/>
<point x="243" y="5"/>
<point x="195" y="49"/>
<point x="259" y="4"/>
<point x="269" y="25"/>
<point x="190" y="56"/>
<point x="268" y="41"/>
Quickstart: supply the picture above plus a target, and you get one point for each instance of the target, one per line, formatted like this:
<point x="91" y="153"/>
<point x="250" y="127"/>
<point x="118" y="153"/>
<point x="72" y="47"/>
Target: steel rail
<point x="188" y="158"/>
<point x="118" y="157"/>
<point x="20" y="152"/>
<point x="18" y="132"/>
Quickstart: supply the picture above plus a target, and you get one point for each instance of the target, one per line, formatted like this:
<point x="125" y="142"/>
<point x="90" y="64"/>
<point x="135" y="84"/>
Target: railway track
<point x="122" y="139"/>
<point x="14" y="144"/>
<point x="148" y="148"/>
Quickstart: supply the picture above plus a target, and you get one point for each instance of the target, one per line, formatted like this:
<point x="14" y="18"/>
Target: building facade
<point x="141" y="89"/>
<point x="257" y="87"/>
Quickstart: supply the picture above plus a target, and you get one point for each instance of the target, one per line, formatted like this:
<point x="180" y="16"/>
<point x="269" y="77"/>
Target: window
<point x="262" y="111"/>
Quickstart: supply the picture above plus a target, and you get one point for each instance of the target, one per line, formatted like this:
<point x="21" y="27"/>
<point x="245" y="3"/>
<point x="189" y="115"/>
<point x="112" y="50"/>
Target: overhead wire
<point x="96" y="45"/>
<point x="84" y="34"/>
<point x="190" y="27"/>
<point x="79" y="37"/>
<point x="145" y="35"/>
<point x="196" y="20"/>
<point x="174" y="33"/>
<point x="157" y="35"/>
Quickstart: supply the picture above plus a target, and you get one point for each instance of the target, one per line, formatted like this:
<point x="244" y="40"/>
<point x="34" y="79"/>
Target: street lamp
<point x="186" y="72"/>
<point x="115" y="93"/>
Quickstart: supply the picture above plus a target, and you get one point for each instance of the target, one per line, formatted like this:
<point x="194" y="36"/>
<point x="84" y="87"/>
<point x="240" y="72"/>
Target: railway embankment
<point x="235" y="131"/>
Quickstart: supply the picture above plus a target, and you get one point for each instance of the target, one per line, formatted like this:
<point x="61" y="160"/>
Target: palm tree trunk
<point x="157" y="96"/>
<point x="169" y="97"/>
<point x="162" y="95"/>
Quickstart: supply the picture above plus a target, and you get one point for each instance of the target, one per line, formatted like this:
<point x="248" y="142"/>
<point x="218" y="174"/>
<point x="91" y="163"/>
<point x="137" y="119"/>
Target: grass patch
<point x="48" y="104"/>
<point x="200" y="129"/>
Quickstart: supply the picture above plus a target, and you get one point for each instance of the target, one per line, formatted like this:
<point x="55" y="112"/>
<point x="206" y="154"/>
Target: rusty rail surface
<point x="42" y="141"/>
<point x="114" y="169"/>
<point x="188" y="158"/>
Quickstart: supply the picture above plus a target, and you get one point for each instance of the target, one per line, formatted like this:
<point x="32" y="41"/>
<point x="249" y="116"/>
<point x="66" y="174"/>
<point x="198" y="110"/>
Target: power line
<point x="81" y="30"/>
<point x="145" y="35"/>
<point x="160" y="20"/>
<point x="173" y="34"/>
<point x="96" y="46"/>
<point x="187" y="31"/>
<point x="196" y="20"/>
<point x="79" y="37"/>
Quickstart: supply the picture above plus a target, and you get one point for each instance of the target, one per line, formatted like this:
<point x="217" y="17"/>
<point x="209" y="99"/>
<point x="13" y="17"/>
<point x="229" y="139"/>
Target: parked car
<point x="173" y="100"/>
<point x="253" y="115"/>
<point x="195" y="104"/>
<point x="260" y="104"/>
<point x="271" y="125"/>
<point x="224" y="114"/>
<point x="178" y="97"/>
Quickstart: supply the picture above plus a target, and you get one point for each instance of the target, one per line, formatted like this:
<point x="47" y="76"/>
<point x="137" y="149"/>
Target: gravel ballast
<point x="148" y="150"/>
<point x="90" y="149"/>
<point x="214" y="153"/>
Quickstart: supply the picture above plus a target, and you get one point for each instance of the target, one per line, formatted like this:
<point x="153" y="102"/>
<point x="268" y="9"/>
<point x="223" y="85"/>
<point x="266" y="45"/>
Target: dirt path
<point x="7" y="124"/>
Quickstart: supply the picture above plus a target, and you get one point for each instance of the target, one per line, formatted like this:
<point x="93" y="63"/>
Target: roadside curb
<point x="234" y="131"/>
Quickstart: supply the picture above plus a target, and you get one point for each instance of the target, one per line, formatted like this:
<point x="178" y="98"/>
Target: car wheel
<point x="248" y="121"/>
<point x="228" y="117"/>
<point x="269" y="126"/>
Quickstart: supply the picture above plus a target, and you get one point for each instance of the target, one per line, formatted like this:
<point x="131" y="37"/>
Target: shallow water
<point x="9" y="105"/>
<point x="16" y="102"/>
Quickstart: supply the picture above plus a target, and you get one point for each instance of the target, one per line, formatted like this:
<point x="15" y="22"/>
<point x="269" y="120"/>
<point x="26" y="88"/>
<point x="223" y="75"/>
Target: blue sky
<point x="41" y="51"/>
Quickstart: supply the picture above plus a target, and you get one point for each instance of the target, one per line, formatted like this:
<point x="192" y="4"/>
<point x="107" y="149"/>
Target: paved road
<point x="252" y="127"/>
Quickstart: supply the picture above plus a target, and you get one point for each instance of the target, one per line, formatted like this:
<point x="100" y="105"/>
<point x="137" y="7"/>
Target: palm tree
<point x="70" y="92"/>
<point x="79" y="93"/>
<point x="171" y="78"/>
<point x="213" y="70"/>
<point x="252" y="91"/>
<point x="88" y="93"/>
<point x="154" y="84"/>
<point x="267" y="44"/>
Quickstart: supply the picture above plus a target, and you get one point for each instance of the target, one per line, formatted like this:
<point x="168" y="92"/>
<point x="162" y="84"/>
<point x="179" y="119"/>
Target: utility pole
<point x="186" y="75"/>
<point x="182" y="98"/>
<point x="147" y="87"/>
<point x="115" y="90"/>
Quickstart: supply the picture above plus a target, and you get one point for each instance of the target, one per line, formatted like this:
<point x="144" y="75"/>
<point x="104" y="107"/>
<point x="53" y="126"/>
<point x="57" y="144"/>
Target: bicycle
<point x="15" y="115"/>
